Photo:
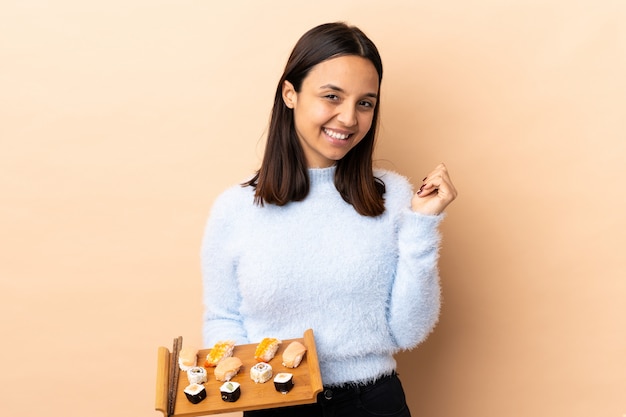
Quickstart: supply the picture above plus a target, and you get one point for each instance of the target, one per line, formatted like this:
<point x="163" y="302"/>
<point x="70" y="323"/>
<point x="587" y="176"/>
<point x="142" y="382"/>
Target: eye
<point x="332" y="97"/>
<point x="366" y="104"/>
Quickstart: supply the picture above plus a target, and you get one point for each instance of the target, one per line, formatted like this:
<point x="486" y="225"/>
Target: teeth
<point x="336" y="135"/>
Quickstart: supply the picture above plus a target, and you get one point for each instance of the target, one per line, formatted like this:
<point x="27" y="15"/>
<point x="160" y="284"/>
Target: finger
<point x="432" y="183"/>
<point x="444" y="188"/>
<point x="427" y="189"/>
<point x="438" y="181"/>
<point x="439" y="170"/>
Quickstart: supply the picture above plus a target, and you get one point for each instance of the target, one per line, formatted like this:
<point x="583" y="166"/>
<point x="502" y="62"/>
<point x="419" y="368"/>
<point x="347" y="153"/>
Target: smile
<point x="336" y="135"/>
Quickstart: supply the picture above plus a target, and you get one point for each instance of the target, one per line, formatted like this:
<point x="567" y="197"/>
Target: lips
<point x="336" y="135"/>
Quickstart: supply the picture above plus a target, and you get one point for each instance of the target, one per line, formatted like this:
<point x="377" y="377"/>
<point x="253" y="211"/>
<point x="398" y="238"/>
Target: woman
<point x="320" y="239"/>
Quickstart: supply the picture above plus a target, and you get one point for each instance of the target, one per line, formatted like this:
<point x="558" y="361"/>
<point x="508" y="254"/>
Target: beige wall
<point x="120" y="122"/>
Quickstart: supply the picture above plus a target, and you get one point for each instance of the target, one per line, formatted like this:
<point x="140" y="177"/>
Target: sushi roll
<point x="227" y="368"/>
<point x="222" y="349"/>
<point x="283" y="382"/>
<point x="261" y="372"/>
<point x="195" y="393"/>
<point x="293" y="354"/>
<point x="231" y="391"/>
<point x="187" y="358"/>
<point x="266" y="349"/>
<point x="196" y="375"/>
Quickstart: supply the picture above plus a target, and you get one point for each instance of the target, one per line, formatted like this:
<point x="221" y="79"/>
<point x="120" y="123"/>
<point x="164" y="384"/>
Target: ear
<point x="290" y="95"/>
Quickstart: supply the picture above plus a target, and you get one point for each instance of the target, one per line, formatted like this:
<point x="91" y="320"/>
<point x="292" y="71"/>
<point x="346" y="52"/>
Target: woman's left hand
<point x="436" y="192"/>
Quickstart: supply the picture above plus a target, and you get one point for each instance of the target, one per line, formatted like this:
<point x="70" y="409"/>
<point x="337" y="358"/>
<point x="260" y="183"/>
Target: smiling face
<point x="334" y="108"/>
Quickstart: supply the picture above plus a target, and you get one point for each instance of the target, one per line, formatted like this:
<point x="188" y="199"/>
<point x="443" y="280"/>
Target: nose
<point x="347" y="114"/>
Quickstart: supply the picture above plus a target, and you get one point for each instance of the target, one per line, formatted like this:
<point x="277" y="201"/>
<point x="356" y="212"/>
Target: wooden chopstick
<point x="173" y="377"/>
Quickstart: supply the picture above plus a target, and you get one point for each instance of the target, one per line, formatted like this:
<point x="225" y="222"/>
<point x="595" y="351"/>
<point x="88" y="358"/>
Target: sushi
<point x="231" y="391"/>
<point x="266" y="349"/>
<point x="222" y="349"/>
<point x="195" y="393"/>
<point x="187" y="358"/>
<point x="227" y="368"/>
<point x="283" y="382"/>
<point x="293" y="354"/>
<point x="261" y="372"/>
<point x="197" y="375"/>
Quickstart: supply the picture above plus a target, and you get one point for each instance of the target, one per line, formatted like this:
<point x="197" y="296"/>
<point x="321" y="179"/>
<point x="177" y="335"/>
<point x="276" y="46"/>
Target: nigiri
<point x="222" y="349"/>
<point x="266" y="349"/>
<point x="227" y="368"/>
<point x="293" y="354"/>
<point x="187" y="358"/>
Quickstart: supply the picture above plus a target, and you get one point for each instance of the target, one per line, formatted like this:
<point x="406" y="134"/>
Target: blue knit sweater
<point x="368" y="287"/>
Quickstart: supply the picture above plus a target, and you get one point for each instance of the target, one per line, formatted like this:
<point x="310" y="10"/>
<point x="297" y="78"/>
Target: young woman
<point x="320" y="239"/>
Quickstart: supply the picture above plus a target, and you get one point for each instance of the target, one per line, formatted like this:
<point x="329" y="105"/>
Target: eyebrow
<point x="341" y="90"/>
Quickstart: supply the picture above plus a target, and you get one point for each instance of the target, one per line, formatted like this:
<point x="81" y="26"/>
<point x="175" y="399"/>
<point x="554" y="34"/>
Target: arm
<point x="416" y="293"/>
<point x="221" y="318"/>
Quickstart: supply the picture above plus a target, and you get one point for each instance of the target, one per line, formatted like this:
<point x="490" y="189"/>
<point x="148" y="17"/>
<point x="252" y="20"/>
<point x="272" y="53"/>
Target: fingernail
<point x="425" y="178"/>
<point x="422" y="187"/>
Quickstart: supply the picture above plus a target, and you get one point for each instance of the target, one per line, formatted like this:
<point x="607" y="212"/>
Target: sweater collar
<point x="322" y="175"/>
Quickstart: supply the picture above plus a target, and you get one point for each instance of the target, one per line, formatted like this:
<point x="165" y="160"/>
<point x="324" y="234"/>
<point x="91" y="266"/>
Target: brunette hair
<point x="283" y="175"/>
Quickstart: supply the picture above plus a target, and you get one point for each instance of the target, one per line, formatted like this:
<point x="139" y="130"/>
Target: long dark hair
<point x="283" y="175"/>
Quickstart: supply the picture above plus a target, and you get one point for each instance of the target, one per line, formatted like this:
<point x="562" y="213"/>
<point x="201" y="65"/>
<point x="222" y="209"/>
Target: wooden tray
<point x="306" y="377"/>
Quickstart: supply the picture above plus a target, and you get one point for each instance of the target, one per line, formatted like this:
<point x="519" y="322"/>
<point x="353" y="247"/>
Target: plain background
<point x="121" y="121"/>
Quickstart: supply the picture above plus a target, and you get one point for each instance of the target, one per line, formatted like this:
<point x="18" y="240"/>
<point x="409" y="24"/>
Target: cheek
<point x="365" y="123"/>
<point x="311" y="116"/>
<point x="320" y="114"/>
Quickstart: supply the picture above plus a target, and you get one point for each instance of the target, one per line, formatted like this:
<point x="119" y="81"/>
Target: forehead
<point x="351" y="73"/>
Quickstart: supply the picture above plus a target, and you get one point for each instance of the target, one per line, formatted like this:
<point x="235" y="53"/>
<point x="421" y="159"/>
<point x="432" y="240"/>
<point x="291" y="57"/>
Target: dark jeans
<point x="383" y="398"/>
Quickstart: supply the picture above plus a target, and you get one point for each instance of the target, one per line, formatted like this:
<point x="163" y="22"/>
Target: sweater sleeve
<point x="221" y="319"/>
<point x="415" y="295"/>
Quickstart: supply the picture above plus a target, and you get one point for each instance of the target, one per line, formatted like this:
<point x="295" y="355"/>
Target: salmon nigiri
<point x="293" y="354"/>
<point x="227" y="368"/>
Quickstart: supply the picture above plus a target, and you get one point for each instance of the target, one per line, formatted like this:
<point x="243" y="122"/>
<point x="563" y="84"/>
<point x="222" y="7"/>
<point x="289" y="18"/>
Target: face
<point x="334" y="109"/>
